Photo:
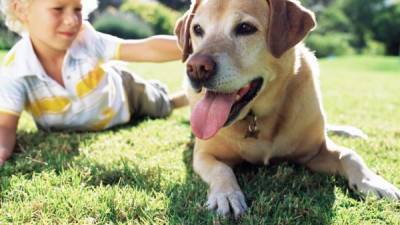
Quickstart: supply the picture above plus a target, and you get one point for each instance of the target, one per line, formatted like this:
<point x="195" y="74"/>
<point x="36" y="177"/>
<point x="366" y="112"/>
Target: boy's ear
<point x="182" y="30"/>
<point x="19" y="9"/>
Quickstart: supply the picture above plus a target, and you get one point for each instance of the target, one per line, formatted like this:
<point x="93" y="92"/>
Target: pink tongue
<point x="211" y="113"/>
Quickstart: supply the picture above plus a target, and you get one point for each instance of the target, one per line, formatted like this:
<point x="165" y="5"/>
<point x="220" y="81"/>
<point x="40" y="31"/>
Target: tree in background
<point x="387" y="28"/>
<point x="344" y="26"/>
<point x="316" y="5"/>
<point x="7" y="38"/>
<point x="375" y="19"/>
<point x="333" y="34"/>
<point x="103" y="4"/>
<point x="361" y="13"/>
<point x="366" y="26"/>
<point x="176" y="4"/>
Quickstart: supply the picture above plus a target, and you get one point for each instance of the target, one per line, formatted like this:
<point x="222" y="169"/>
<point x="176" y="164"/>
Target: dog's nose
<point x="200" y="67"/>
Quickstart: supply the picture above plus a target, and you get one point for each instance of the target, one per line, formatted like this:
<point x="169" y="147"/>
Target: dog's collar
<point x="252" y="130"/>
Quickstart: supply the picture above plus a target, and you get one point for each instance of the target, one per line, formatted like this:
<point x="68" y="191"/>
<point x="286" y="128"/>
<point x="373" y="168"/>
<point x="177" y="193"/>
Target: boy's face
<point x="53" y="24"/>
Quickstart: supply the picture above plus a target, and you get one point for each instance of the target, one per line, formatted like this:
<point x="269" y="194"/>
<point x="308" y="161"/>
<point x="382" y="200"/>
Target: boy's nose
<point x="71" y="20"/>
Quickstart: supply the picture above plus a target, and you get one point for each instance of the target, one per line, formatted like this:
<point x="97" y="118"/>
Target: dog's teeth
<point x="237" y="97"/>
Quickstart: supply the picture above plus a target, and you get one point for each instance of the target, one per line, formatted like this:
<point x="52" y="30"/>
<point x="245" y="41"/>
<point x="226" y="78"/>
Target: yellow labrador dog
<point x="255" y="97"/>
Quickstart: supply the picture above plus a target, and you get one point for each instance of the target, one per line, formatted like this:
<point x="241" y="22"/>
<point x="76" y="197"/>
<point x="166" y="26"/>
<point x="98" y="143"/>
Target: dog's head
<point x="227" y="46"/>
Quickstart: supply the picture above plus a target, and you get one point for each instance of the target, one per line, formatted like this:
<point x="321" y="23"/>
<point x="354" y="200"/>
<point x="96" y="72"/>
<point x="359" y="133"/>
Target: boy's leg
<point x="176" y="100"/>
<point x="149" y="98"/>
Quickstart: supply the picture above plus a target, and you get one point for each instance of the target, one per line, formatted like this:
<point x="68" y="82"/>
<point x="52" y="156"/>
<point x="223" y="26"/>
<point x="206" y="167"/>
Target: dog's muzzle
<point x="200" y="68"/>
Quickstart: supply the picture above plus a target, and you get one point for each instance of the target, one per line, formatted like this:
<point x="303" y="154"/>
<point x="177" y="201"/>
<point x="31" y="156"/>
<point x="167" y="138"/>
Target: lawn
<point x="141" y="173"/>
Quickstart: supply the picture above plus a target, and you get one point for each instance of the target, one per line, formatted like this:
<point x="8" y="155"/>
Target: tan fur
<point x="288" y="107"/>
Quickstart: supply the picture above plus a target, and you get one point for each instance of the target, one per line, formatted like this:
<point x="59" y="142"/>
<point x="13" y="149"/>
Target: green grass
<point x="141" y="173"/>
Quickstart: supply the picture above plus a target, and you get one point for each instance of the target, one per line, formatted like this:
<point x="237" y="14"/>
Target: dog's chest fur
<point x="255" y="150"/>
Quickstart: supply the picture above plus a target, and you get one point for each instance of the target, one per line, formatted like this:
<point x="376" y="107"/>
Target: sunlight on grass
<point x="141" y="173"/>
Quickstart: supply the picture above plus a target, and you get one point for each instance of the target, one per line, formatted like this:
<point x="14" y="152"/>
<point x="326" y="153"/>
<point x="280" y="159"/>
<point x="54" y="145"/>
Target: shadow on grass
<point x="40" y="151"/>
<point x="278" y="194"/>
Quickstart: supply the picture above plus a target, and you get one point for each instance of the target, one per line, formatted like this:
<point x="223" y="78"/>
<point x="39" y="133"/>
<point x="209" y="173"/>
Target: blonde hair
<point x="14" y="24"/>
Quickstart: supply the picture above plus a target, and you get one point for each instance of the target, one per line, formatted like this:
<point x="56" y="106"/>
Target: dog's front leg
<point x="346" y="162"/>
<point x="224" y="192"/>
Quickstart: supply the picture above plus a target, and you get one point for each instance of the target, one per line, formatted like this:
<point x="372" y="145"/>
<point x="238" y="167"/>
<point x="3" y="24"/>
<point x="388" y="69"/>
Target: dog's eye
<point x="245" y="29"/>
<point x="198" y="31"/>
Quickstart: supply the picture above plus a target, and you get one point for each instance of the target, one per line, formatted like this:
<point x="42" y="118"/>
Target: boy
<point x="59" y="73"/>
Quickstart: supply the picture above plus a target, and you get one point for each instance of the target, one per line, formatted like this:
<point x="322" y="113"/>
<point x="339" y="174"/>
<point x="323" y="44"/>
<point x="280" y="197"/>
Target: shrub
<point x="329" y="44"/>
<point x="374" y="48"/>
<point x="333" y="19"/>
<point x="386" y="28"/>
<point x="123" y="25"/>
<point x="7" y="38"/>
<point x="176" y="4"/>
<point x="161" y="18"/>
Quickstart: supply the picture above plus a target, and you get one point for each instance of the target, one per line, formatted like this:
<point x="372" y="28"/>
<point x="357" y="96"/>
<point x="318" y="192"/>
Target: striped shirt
<point x="93" y="96"/>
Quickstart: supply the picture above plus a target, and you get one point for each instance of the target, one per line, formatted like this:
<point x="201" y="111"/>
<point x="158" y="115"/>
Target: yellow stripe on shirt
<point x="90" y="82"/>
<point x="108" y="114"/>
<point x="10" y="59"/>
<point x="53" y="105"/>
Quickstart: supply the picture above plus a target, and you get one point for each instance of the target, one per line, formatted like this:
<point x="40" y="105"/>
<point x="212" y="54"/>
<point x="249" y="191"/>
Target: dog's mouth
<point x="217" y="110"/>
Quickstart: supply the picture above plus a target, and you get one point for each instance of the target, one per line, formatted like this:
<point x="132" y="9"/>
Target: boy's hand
<point x="4" y="155"/>
<point x="8" y="130"/>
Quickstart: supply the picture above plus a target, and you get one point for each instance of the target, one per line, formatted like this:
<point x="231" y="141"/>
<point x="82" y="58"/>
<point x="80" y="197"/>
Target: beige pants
<point x="145" y="98"/>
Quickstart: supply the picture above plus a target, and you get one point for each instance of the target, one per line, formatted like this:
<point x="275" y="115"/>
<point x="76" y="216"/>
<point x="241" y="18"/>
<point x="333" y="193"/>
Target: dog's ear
<point x="183" y="35"/>
<point x="289" y="23"/>
<point x="182" y="30"/>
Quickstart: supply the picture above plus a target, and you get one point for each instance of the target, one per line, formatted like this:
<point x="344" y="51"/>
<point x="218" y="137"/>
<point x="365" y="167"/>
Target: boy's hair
<point x="14" y="24"/>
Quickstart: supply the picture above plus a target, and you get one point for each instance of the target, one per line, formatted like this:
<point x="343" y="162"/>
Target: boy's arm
<point x="8" y="130"/>
<point x="159" y="48"/>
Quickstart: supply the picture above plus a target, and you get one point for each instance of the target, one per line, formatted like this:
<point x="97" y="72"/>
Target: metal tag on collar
<point x="252" y="130"/>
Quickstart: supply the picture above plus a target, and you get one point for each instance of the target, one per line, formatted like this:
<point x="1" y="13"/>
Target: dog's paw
<point x="374" y="184"/>
<point x="346" y="131"/>
<point x="222" y="202"/>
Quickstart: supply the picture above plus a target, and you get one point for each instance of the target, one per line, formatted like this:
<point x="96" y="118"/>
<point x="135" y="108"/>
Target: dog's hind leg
<point x="335" y="159"/>
<point x="346" y="131"/>
<point x="224" y="192"/>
